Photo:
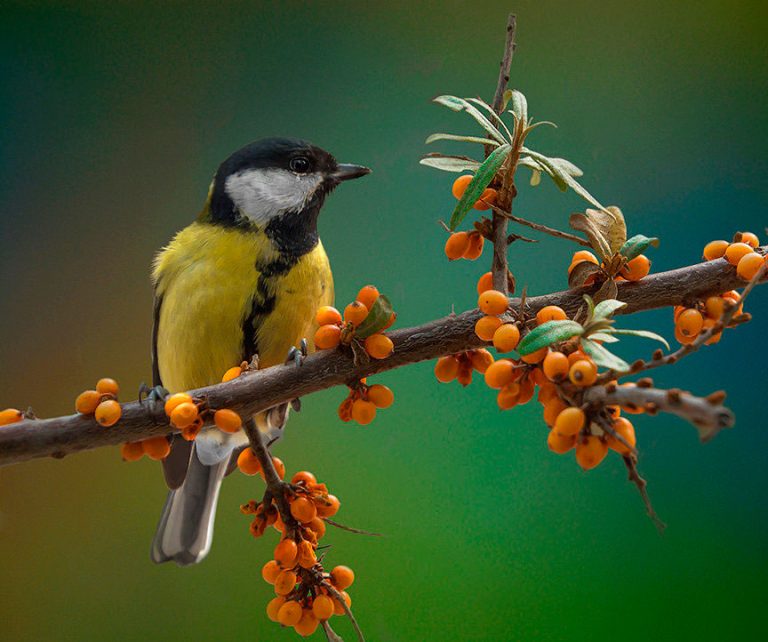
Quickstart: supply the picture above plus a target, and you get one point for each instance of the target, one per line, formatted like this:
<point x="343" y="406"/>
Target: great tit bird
<point x="244" y="279"/>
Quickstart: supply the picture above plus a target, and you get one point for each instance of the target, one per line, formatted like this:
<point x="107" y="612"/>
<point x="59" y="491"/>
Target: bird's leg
<point x="297" y="356"/>
<point x="155" y="395"/>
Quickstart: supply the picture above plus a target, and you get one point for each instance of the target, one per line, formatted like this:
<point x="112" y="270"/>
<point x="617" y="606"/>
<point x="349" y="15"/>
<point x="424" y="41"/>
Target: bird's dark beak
<point x="346" y="172"/>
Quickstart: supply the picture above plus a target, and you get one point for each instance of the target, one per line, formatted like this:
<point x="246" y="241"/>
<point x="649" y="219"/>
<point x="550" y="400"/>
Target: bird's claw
<point x="156" y="396"/>
<point x="297" y="355"/>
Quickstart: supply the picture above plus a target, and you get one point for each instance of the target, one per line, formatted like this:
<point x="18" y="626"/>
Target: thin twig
<point x="357" y="531"/>
<point x="630" y="461"/>
<point x="338" y="597"/>
<point x="506" y="63"/>
<point x="330" y="634"/>
<point x="539" y="227"/>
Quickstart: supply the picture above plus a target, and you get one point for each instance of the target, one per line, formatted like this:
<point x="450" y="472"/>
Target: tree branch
<point x="253" y="392"/>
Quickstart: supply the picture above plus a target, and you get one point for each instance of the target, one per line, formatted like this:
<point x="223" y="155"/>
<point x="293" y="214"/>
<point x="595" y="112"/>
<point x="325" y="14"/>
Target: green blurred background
<point x="114" y="118"/>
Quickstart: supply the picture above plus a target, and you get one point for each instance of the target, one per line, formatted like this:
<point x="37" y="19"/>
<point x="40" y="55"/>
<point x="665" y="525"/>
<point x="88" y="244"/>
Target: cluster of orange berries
<point x="363" y="400"/>
<point x="633" y="270"/>
<point x="690" y="322"/>
<point x="740" y="252"/>
<point x="460" y="366"/>
<point x="305" y="592"/>
<point x="334" y="330"/>
<point x="464" y="245"/>
<point x="101" y="403"/>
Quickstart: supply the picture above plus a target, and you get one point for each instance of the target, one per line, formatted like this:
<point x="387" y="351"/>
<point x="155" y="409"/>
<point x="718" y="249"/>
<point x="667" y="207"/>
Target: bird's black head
<point x="276" y="184"/>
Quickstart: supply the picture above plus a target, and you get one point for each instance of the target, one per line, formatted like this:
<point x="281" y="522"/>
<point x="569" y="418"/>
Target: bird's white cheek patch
<point x="263" y="194"/>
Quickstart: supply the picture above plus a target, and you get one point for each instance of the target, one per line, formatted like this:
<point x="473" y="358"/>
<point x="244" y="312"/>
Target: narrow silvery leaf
<point x="535" y="177"/>
<point x="646" y="334"/>
<point x="519" y="105"/>
<point x="562" y="178"/>
<point x="637" y="245"/>
<point x="548" y="333"/>
<point x="590" y="306"/>
<point x="461" y="139"/>
<point x="607" y="308"/>
<point x="459" y="104"/>
<point x="450" y="163"/>
<point x="506" y="98"/>
<point x="603" y="357"/>
<point x="483" y="176"/>
<point x="604" y="337"/>
<point x="484" y="105"/>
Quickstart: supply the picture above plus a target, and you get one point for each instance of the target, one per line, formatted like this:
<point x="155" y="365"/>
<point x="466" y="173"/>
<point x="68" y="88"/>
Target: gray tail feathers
<point x="185" y="530"/>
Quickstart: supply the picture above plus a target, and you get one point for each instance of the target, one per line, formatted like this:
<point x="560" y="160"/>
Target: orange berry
<point x="446" y="369"/>
<point x="328" y="509"/>
<point x="248" y="463"/>
<point x="590" y="451"/>
<point x="550" y="313"/>
<point x="380" y="396"/>
<point x="749" y="265"/>
<point x="547" y="392"/>
<point x="304" y="476"/>
<point x="583" y="373"/>
<point x="290" y="612"/>
<point x="560" y="444"/>
<point x="735" y="251"/>
<point x="107" y="386"/>
<point x="715" y="249"/>
<point x="493" y="302"/>
<point x="464" y="377"/>
<point x="308" y="623"/>
<point x="499" y="374"/>
<point x="303" y="509"/>
<point x="286" y="553"/>
<point x="338" y="609"/>
<point x="184" y="415"/>
<point x="750" y="239"/>
<point x="715" y="338"/>
<point x="456" y="245"/>
<point x="536" y="357"/>
<point x="637" y="268"/>
<point x="355" y="313"/>
<point x="508" y="396"/>
<point x="487" y="198"/>
<point x="232" y="373"/>
<point x="714" y="305"/>
<point x="460" y="185"/>
<point x="317" y="526"/>
<point x="625" y="429"/>
<point x="682" y="338"/>
<point x="273" y="607"/>
<point x="486" y="327"/>
<point x="108" y="413"/>
<point x="156" y="448"/>
<point x="481" y="359"/>
<point x="279" y="467"/>
<point x="227" y="420"/>
<point x="175" y="400"/>
<point x="570" y="421"/>
<point x="10" y="416"/>
<point x="270" y="571"/>
<point x="584" y="255"/>
<point x="506" y="337"/>
<point x="363" y="412"/>
<point x="342" y="577"/>
<point x="191" y="432"/>
<point x="328" y="315"/>
<point x="577" y="355"/>
<point x="368" y="295"/>
<point x="322" y="607"/>
<point x="555" y="366"/>
<point x="690" y="322"/>
<point x="485" y="283"/>
<point x="307" y="557"/>
<point x="552" y="409"/>
<point x="379" y="346"/>
<point x="537" y="376"/>
<point x="475" y="248"/>
<point x="132" y="451"/>
<point x="327" y="337"/>
<point x="87" y="401"/>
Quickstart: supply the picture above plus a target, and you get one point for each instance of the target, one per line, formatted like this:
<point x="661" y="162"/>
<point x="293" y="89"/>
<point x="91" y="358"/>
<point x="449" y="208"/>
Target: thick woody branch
<point x="257" y="391"/>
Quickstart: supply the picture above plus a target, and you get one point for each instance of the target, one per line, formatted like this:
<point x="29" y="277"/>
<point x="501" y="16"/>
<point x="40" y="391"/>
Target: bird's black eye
<point x="300" y="165"/>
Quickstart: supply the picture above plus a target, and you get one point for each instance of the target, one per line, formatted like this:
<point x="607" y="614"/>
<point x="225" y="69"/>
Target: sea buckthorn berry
<point x="715" y="338"/>
<point x="286" y="553"/>
<point x="270" y="571"/>
<point x="304" y="476"/>
<point x="506" y="337"/>
<point x="715" y="249"/>
<point x="248" y="463"/>
<point x="290" y="612"/>
<point x="456" y="245"/>
<point x="749" y="265"/>
<point x="363" y="412"/>
<point x="330" y="508"/>
<point x="191" y="432"/>
<point x="355" y="313"/>
<point x="303" y="509"/>
<point x="690" y="322"/>
<point x="338" y="609"/>
<point x="637" y="268"/>
<point x="577" y="355"/>
<point x="547" y="392"/>
<point x="175" y="400"/>
<point x="570" y="421"/>
<point x="317" y="526"/>
<point x="583" y="373"/>
<point x="379" y="346"/>
<point x="480" y="360"/>
<point x="156" y="448"/>
<point x="307" y="625"/>
<point x="232" y="373"/>
<point x="486" y="327"/>
<point x="560" y="444"/>
<point x="536" y="357"/>
<point x="750" y="239"/>
<point x="584" y="255"/>
<point x="446" y="369"/>
<point x="735" y="251"/>
<point x="227" y="420"/>
<point x="508" y="396"/>
<point x="342" y="577"/>
<point x="499" y="374"/>
<point x="460" y="185"/>
<point x="345" y="409"/>
<point x="485" y="283"/>
<point x="87" y="401"/>
<point x="493" y="302"/>
<point x="322" y="607"/>
<point x="132" y="451"/>
<point x="279" y="467"/>
<point x="475" y="248"/>
<point x="273" y="606"/>
<point x="623" y="428"/>
<point x="107" y="386"/>
<point x="715" y="306"/>
<point x="108" y="413"/>
<point x="552" y="409"/>
<point x="328" y="315"/>
<point x="380" y="396"/>
<point x="327" y="337"/>
<point x="184" y="415"/>
<point x="555" y="366"/>
<point x="307" y="557"/>
<point x="464" y="377"/>
<point x="682" y="338"/>
<point x="368" y="295"/>
<point x="487" y="198"/>
<point x="590" y="451"/>
<point x="550" y="313"/>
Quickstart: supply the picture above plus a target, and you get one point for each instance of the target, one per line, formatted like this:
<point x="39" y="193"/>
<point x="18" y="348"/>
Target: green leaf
<point x="582" y="223"/>
<point x="603" y="357"/>
<point x="450" y="163"/>
<point x="506" y="98"/>
<point x="378" y="317"/>
<point x="590" y="306"/>
<point x="548" y="333"/>
<point x="646" y="334"/>
<point x="461" y="139"/>
<point x="563" y="179"/>
<point x="519" y="106"/>
<point x="459" y="104"/>
<point x="604" y="337"/>
<point x="483" y="176"/>
<point x="484" y="105"/>
<point x="535" y="177"/>
<point x="637" y="245"/>
<point x="607" y="308"/>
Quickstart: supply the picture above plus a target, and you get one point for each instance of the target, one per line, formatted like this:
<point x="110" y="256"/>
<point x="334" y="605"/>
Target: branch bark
<point x="256" y="391"/>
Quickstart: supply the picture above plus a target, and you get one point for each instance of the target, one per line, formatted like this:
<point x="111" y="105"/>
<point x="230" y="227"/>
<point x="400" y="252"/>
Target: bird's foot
<point x="155" y="397"/>
<point x="297" y="355"/>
